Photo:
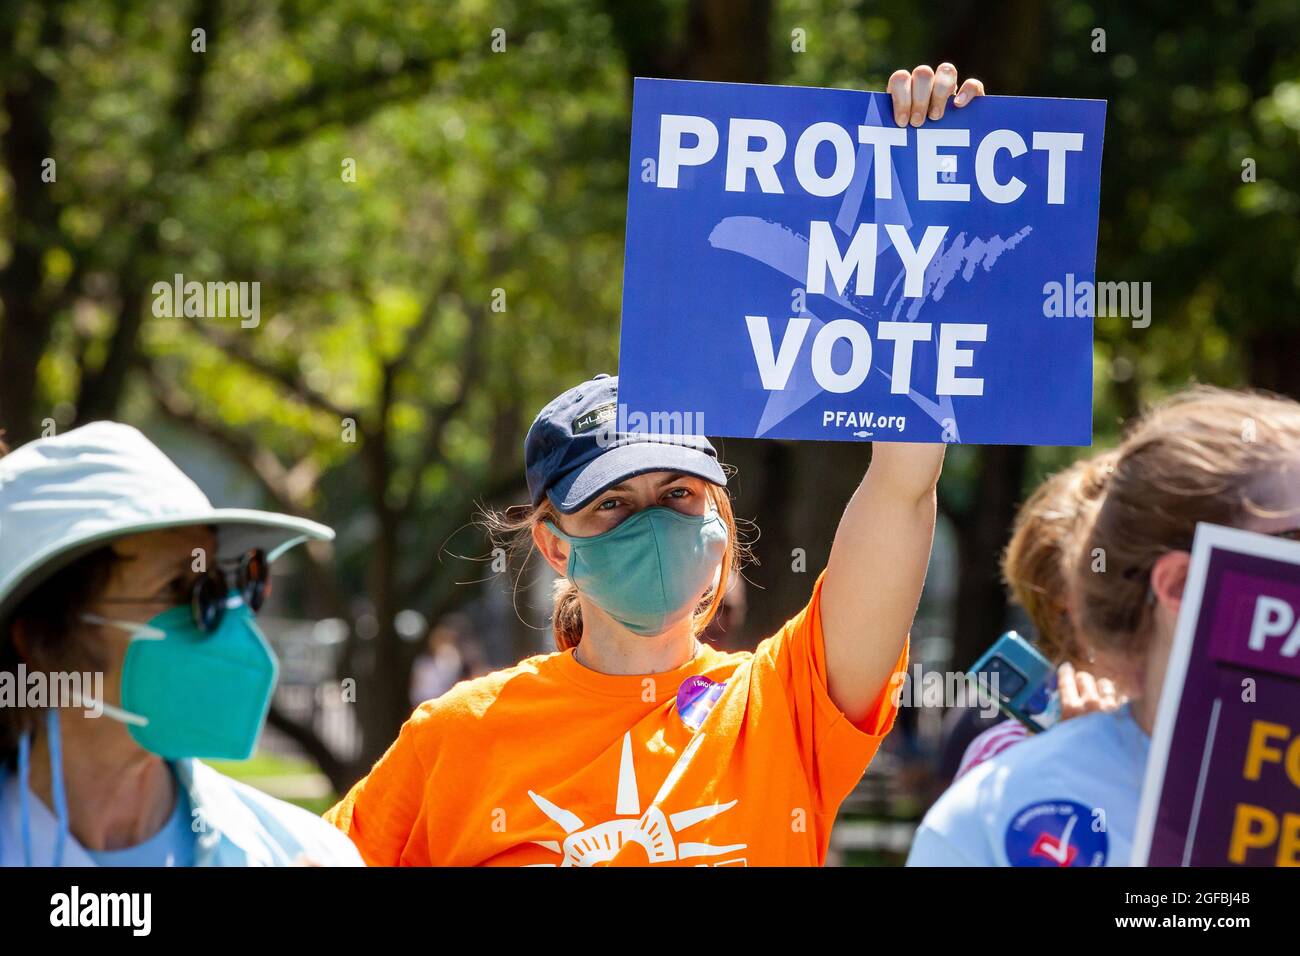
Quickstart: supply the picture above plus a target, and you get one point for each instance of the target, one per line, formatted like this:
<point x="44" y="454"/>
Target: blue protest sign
<point x="798" y="266"/>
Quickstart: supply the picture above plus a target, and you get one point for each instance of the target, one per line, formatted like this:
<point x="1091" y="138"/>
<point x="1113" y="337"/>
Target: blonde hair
<point x="1196" y="457"/>
<point x="513" y="529"/>
<point x="1035" y="561"/>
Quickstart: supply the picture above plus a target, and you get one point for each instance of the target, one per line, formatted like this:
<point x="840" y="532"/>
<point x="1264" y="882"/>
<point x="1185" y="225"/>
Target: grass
<point x="270" y="772"/>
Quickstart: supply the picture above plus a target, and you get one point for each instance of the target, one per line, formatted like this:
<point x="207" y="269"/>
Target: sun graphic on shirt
<point x="658" y="833"/>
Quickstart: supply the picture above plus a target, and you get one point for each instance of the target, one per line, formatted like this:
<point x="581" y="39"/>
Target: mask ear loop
<point x="568" y="539"/>
<point x="142" y="632"/>
<point x="24" y="811"/>
<point x="550" y="525"/>
<point x="139" y="632"/>
<point x="54" y="732"/>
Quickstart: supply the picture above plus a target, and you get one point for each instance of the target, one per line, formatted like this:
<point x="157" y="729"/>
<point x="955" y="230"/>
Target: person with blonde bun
<point x="1033" y="567"/>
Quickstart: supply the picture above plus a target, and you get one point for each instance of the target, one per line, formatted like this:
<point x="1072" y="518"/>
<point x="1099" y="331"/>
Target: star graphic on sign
<point x="779" y="247"/>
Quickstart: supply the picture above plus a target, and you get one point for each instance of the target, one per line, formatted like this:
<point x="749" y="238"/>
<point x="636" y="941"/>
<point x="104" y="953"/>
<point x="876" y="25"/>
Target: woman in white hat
<point x="128" y="649"/>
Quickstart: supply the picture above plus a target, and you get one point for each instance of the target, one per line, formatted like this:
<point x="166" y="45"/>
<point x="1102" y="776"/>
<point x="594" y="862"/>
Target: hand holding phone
<point x="1021" y="680"/>
<point x="1028" y="688"/>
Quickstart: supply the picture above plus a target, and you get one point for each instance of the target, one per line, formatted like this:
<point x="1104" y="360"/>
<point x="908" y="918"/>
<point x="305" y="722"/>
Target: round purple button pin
<point x="695" y="698"/>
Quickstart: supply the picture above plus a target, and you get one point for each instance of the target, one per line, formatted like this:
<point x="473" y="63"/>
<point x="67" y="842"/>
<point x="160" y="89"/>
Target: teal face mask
<point x="187" y="693"/>
<point x="648" y="573"/>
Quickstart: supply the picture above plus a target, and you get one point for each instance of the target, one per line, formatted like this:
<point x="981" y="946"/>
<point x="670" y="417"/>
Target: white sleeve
<point x="955" y="830"/>
<point x="929" y="848"/>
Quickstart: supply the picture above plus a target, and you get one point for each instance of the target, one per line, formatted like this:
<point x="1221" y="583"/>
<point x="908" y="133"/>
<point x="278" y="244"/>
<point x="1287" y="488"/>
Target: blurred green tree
<point x="434" y="225"/>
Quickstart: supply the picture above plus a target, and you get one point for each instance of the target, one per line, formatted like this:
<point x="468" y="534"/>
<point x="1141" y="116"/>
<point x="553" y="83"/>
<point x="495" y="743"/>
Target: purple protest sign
<point x="1223" y="778"/>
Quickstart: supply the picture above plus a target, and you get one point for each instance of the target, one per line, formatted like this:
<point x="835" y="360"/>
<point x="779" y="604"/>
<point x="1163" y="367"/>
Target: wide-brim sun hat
<point x="67" y="495"/>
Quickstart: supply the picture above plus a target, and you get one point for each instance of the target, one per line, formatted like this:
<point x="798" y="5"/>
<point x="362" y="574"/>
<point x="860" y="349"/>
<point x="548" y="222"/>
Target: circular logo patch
<point x="1055" y="833"/>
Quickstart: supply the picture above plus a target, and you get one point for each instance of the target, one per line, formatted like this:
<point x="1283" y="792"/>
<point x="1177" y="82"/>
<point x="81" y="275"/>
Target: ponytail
<point x="1036" y="562"/>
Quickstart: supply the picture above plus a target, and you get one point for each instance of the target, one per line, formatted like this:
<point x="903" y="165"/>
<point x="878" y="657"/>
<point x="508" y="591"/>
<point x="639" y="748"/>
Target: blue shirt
<point x="173" y="845"/>
<point x="228" y="824"/>
<point x="1066" y="797"/>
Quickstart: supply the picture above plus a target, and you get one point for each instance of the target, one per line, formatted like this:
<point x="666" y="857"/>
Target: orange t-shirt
<point x="549" y="763"/>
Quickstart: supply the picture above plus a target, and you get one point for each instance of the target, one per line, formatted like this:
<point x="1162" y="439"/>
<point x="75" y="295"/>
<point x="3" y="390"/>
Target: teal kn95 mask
<point x="190" y="693"/>
<point x="649" y="572"/>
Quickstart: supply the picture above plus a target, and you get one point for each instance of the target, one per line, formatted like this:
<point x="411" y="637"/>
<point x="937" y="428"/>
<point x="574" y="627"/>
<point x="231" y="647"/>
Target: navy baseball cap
<point x="574" y="450"/>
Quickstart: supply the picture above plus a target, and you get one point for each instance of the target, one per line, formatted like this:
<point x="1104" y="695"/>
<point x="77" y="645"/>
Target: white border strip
<point x="1206" y="752"/>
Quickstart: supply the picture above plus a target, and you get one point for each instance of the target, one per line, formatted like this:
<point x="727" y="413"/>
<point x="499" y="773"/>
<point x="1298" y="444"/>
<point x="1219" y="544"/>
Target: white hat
<point x="64" y="496"/>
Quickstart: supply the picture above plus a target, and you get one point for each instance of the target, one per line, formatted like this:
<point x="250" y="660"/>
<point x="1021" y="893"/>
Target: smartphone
<point x="1022" y="680"/>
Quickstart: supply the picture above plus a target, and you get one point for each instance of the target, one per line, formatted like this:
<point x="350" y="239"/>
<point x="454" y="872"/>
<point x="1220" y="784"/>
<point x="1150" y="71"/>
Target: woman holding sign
<point x="1069" y="797"/>
<point x="636" y="743"/>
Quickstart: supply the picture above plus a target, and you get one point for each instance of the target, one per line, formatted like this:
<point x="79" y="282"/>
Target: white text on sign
<point x="753" y="149"/>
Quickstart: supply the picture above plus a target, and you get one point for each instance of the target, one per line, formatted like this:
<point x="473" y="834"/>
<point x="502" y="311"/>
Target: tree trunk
<point x="981" y="605"/>
<point x="1274" y="359"/>
<point x="796" y="493"/>
<point x="1002" y="45"/>
<point x="101" y="389"/>
<point x="383" y="698"/>
<point x="722" y="44"/>
<point x="27" y="319"/>
<point x="717" y="43"/>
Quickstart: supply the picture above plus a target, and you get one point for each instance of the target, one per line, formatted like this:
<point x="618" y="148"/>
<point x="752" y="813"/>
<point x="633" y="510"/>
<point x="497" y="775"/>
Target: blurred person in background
<point x="476" y="659"/>
<point x="1034" y="567"/>
<point x="442" y="665"/>
<point x="1183" y="463"/>
<point x="120" y="583"/>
